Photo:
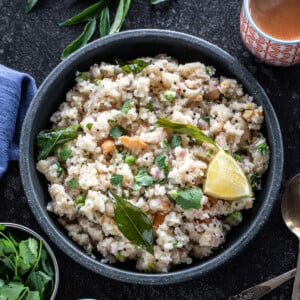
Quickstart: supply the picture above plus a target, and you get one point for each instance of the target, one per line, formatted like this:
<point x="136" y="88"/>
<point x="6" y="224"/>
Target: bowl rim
<point x="65" y="245"/>
<point x="46" y="245"/>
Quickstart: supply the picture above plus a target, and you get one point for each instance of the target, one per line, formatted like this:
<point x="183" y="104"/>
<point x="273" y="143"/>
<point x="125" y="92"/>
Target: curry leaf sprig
<point x="97" y="12"/>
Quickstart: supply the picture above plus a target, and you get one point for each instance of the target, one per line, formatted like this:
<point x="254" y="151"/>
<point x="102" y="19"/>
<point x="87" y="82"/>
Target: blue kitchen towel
<point x="16" y="91"/>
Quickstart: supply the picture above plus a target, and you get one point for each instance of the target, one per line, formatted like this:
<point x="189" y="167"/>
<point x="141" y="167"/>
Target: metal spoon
<point x="290" y="209"/>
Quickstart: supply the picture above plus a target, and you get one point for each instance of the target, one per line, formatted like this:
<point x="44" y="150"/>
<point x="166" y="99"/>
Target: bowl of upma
<point x="151" y="156"/>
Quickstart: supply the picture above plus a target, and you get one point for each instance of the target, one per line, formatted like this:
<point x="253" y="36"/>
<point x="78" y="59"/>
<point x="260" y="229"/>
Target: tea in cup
<point x="270" y="29"/>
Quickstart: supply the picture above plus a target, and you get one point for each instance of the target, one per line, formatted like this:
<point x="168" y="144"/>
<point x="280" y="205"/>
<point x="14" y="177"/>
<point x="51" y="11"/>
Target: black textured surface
<point x="33" y="44"/>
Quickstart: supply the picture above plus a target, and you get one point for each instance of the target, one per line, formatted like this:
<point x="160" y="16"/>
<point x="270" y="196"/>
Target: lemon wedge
<point x="225" y="179"/>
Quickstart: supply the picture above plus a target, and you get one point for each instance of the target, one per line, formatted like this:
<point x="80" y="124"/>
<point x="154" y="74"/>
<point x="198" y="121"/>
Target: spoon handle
<point x="296" y="287"/>
<point x="258" y="291"/>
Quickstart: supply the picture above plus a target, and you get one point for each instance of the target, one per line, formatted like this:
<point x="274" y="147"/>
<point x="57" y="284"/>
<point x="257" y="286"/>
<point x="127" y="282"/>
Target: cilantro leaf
<point x="262" y="148"/>
<point x="11" y="291"/>
<point x="73" y="183"/>
<point x="116" y="179"/>
<point x="142" y="179"/>
<point x="117" y="131"/>
<point x="160" y="160"/>
<point x="38" y="280"/>
<point x="187" y="198"/>
<point x="175" y="141"/>
<point x="125" y="106"/>
<point x="28" y="250"/>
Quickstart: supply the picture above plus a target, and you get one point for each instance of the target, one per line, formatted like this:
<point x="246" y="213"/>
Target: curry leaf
<point x="104" y="25"/>
<point x="188" y="129"/>
<point x="121" y="14"/>
<point x="82" y="39"/>
<point x="132" y="66"/>
<point x="48" y="140"/>
<point x="188" y="198"/>
<point x="133" y="223"/>
<point x="87" y="14"/>
<point x="29" y="5"/>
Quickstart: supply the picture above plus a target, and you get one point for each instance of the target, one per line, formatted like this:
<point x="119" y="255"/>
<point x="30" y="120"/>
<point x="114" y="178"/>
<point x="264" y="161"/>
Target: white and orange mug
<point x="271" y="50"/>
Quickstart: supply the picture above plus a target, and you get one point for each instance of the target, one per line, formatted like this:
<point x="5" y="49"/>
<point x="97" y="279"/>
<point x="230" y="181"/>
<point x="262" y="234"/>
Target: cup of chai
<point x="270" y="29"/>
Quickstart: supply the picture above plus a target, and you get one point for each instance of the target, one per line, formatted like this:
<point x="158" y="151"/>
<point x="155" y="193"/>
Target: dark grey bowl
<point x="129" y="45"/>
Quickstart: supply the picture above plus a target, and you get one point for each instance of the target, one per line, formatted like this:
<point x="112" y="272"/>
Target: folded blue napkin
<point x="16" y="91"/>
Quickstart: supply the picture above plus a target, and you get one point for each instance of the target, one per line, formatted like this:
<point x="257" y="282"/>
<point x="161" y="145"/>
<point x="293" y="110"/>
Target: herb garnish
<point x="262" y="148"/>
<point x="116" y="179"/>
<point x="73" y="183"/>
<point x="49" y="140"/>
<point x="175" y="141"/>
<point x="255" y="179"/>
<point x="142" y="179"/>
<point x="125" y="106"/>
<point x="89" y="126"/>
<point x="59" y="169"/>
<point x="117" y="131"/>
<point x="26" y="268"/>
<point x="132" y="66"/>
<point x="187" y="198"/>
<point x="64" y="153"/>
<point x="160" y="161"/>
<point x="133" y="223"/>
<point x="80" y="200"/>
<point x="188" y="129"/>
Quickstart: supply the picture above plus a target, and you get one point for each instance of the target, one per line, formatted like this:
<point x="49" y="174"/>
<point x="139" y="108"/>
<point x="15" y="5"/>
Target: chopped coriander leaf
<point x="209" y="152"/>
<point x="65" y="153"/>
<point x="117" y="131"/>
<point x="262" y="148"/>
<point x="160" y="160"/>
<point x="97" y="82"/>
<point x="207" y="119"/>
<point x="73" y="183"/>
<point x="187" y="198"/>
<point x="150" y="106"/>
<point x="83" y="76"/>
<point x="175" y="141"/>
<point x="175" y="245"/>
<point x="165" y="144"/>
<point x="125" y="106"/>
<point x="228" y="95"/>
<point x="254" y="179"/>
<point x="142" y="179"/>
<point x="210" y="70"/>
<point x="89" y="126"/>
<point x="59" y="169"/>
<point x="130" y="160"/>
<point x="116" y="179"/>
<point x="124" y="154"/>
<point x="237" y="155"/>
<point x="80" y="200"/>
<point x="169" y="95"/>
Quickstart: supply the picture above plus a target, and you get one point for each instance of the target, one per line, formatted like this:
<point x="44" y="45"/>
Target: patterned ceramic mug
<point x="270" y="50"/>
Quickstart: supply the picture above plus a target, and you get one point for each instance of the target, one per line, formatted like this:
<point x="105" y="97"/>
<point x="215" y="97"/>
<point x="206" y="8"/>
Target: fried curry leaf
<point x="133" y="223"/>
<point x="132" y="66"/>
<point x="48" y="140"/>
<point x="188" y="129"/>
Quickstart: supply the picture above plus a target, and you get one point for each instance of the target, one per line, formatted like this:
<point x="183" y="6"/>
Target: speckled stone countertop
<point x="33" y="44"/>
